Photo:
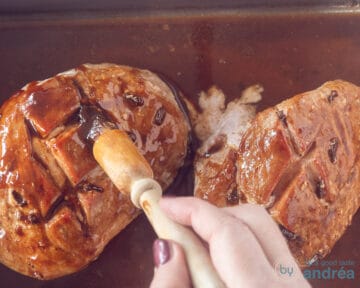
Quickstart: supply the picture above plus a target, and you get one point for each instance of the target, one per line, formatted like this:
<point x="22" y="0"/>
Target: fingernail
<point x="161" y="252"/>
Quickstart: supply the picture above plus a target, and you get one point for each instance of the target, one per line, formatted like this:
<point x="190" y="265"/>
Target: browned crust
<point x="53" y="226"/>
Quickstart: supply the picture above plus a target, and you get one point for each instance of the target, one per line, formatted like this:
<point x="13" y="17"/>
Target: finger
<point x="234" y="249"/>
<point x="170" y="266"/>
<point x="265" y="230"/>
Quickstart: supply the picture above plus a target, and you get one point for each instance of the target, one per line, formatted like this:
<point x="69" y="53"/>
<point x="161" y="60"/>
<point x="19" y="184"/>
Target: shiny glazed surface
<point x="287" y="53"/>
<point x="300" y="160"/>
<point x="58" y="207"/>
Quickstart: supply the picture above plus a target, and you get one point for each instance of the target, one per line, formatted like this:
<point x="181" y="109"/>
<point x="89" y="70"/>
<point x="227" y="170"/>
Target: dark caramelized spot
<point x="332" y="96"/>
<point x="282" y="117"/>
<point x="85" y="186"/>
<point x="22" y="217"/>
<point x="320" y="188"/>
<point x="12" y="165"/>
<point x="33" y="218"/>
<point x="93" y="121"/>
<point x="55" y="206"/>
<point x="74" y="119"/>
<point x="19" y="231"/>
<point x="333" y="146"/>
<point x="159" y="116"/>
<point x="19" y="199"/>
<point x="131" y="135"/>
<point x="218" y="144"/>
<point x="134" y="100"/>
<point x="232" y="198"/>
<point x="290" y="236"/>
<point x="31" y="128"/>
<point x="82" y="93"/>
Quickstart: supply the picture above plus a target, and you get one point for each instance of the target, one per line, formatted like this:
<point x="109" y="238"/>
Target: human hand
<point x="245" y="246"/>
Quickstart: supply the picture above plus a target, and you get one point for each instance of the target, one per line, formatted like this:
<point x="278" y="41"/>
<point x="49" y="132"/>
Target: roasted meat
<point x="58" y="209"/>
<point x="220" y="127"/>
<point x="300" y="159"/>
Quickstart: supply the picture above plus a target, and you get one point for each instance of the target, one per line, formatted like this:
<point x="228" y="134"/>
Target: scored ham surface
<point x="58" y="209"/>
<point x="300" y="159"/>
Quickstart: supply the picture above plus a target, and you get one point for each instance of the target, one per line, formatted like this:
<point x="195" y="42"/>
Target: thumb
<point x="170" y="265"/>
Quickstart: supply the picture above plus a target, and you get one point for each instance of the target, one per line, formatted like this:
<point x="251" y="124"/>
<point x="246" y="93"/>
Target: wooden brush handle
<point x="131" y="173"/>
<point x="120" y="159"/>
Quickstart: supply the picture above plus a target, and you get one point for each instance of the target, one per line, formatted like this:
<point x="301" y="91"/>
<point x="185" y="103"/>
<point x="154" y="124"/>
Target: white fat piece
<point x="217" y="119"/>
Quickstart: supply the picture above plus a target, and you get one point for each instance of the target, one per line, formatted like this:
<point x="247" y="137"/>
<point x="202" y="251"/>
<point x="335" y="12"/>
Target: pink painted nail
<point x="161" y="252"/>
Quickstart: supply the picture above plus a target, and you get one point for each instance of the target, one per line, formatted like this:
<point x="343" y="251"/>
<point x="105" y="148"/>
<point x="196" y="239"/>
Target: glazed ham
<point x="58" y="209"/>
<point x="300" y="159"/>
<point x="220" y="127"/>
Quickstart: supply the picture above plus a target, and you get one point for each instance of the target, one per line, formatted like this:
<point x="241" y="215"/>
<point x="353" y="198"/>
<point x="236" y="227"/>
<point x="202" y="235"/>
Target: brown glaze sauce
<point x="287" y="53"/>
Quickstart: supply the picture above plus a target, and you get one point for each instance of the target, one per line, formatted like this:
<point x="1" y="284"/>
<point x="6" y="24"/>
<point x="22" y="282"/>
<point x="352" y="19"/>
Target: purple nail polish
<point x="161" y="252"/>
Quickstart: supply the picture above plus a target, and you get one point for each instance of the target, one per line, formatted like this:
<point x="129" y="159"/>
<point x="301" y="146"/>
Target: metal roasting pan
<point x="287" y="46"/>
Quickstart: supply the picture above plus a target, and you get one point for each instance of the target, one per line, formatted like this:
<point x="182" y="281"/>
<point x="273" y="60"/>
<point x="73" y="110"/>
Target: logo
<point x="285" y="270"/>
<point x="331" y="269"/>
<point x="325" y="270"/>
